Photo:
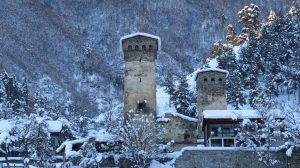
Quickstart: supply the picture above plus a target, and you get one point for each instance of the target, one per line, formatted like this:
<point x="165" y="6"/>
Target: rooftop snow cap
<point x="141" y="34"/>
<point x="210" y="69"/>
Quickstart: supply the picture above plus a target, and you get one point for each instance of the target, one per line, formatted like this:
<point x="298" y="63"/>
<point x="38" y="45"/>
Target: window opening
<point x="136" y="47"/>
<point x="150" y="47"/>
<point x="130" y="47"/>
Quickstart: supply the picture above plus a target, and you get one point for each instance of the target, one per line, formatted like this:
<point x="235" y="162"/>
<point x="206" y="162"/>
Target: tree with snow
<point x="35" y="140"/>
<point x="234" y="94"/>
<point x="170" y="87"/>
<point x="140" y="134"/>
<point x="231" y="37"/>
<point x="261" y="135"/>
<point x="249" y="16"/>
<point x="89" y="155"/>
<point x="182" y="100"/>
<point x="292" y="129"/>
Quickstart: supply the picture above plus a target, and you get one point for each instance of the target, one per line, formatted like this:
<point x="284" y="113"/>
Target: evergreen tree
<point x="249" y="16"/>
<point x="170" y="87"/>
<point x="36" y="140"/>
<point x="227" y="61"/>
<point x="182" y="100"/>
<point x="39" y="107"/>
<point x="235" y="90"/>
<point x="251" y="65"/>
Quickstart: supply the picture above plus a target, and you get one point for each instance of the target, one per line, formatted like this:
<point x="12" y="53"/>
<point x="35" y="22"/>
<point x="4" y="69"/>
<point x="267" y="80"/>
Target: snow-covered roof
<point x="211" y="69"/>
<point x="54" y="126"/>
<point x="141" y="34"/>
<point x="182" y="116"/>
<point x="230" y="114"/>
<point x="100" y="136"/>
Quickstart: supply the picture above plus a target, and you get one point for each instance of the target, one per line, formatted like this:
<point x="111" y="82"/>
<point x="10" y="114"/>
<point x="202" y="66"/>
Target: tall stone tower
<point x="211" y="89"/>
<point x="140" y="53"/>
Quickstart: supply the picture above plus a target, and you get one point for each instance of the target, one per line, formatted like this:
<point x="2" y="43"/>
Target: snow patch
<point x="183" y="116"/>
<point x="162" y="102"/>
<point x="54" y="126"/>
<point x="213" y="63"/>
<point x="5" y="126"/>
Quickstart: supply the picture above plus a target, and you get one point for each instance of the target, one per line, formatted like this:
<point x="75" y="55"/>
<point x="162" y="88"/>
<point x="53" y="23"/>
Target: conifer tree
<point x="231" y="38"/>
<point x="170" y="87"/>
<point x="235" y="90"/>
<point x="249" y="16"/>
<point x="182" y="100"/>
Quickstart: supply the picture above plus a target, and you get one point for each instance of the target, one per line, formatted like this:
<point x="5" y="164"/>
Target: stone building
<point x="211" y="89"/>
<point x="180" y="128"/>
<point x="140" y="53"/>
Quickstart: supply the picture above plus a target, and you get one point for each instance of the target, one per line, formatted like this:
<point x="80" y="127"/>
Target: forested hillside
<point x="73" y="46"/>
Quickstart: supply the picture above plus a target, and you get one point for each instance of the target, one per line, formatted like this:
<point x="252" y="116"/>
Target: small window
<point x="150" y="47"/>
<point x="144" y="47"/>
<point x="140" y="79"/>
<point x="140" y="59"/>
<point x="212" y="79"/>
<point x="205" y="79"/>
<point x="220" y="79"/>
<point x="136" y="47"/>
<point x="130" y="47"/>
<point x="140" y="106"/>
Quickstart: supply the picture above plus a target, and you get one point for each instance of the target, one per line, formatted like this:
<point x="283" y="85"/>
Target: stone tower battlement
<point x="140" y="53"/>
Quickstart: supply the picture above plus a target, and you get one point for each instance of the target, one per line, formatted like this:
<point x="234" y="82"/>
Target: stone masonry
<point x="231" y="159"/>
<point x="211" y="89"/>
<point x="140" y="53"/>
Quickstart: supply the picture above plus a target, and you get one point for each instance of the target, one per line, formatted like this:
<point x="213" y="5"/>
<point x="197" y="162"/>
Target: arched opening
<point x="136" y="47"/>
<point x="212" y="79"/>
<point x="205" y="79"/>
<point x="144" y="47"/>
<point x="220" y="79"/>
<point x="130" y="47"/>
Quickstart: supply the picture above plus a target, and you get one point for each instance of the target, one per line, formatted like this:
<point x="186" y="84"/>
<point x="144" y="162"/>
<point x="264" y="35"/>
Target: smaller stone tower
<point x="140" y="53"/>
<point x="211" y="89"/>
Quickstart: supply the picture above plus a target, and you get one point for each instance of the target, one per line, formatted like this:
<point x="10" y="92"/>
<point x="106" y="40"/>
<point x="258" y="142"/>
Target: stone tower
<point x="140" y="53"/>
<point x="211" y="89"/>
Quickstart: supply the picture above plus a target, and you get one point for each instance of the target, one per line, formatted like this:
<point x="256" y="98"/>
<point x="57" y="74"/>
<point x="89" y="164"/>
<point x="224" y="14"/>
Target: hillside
<point x="74" y="44"/>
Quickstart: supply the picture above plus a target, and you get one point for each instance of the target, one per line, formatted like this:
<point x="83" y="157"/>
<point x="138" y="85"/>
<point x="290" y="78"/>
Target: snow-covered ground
<point x="162" y="102"/>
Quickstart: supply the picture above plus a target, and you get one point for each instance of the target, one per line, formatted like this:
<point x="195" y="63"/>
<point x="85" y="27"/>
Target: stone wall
<point x="181" y="130"/>
<point x="211" y="89"/>
<point x="232" y="159"/>
<point x="140" y="53"/>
